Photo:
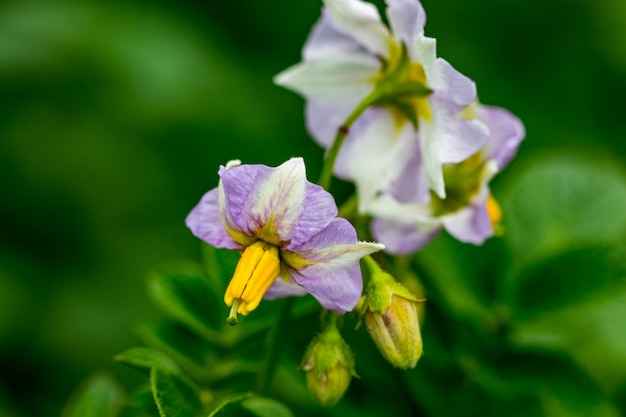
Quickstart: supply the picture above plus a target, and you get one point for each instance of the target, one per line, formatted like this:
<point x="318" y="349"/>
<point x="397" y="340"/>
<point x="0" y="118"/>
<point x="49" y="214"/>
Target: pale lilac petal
<point x="447" y="138"/>
<point x="375" y="154"/>
<point x="258" y="196"/>
<point x="402" y="238"/>
<point x="205" y="222"/>
<point x="323" y="118"/>
<point x="506" y="132"/>
<point x="362" y="22"/>
<point x="457" y="138"/>
<point x="411" y="185"/>
<point x="348" y="75"/>
<point x="471" y="224"/>
<point x="454" y="86"/>
<point x="318" y="210"/>
<point x="281" y="288"/>
<point x="331" y="272"/>
<point x="407" y="19"/>
<point x="337" y="289"/>
<point x="328" y="40"/>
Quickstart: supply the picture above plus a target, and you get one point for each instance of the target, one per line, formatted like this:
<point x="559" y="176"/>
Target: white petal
<point x="407" y="19"/>
<point x="376" y="154"/>
<point x="361" y="21"/>
<point x="327" y="39"/>
<point x="330" y="78"/>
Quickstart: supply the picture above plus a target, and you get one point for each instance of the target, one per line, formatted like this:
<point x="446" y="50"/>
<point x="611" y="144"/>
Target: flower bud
<point x="329" y="366"/>
<point x="390" y="314"/>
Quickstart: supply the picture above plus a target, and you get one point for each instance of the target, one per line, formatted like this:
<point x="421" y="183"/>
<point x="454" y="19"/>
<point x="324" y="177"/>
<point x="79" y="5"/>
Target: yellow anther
<point x="494" y="210"/>
<point x="256" y="271"/>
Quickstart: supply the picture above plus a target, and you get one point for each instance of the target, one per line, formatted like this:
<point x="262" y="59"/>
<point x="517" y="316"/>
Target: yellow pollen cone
<point x="257" y="269"/>
<point x="494" y="210"/>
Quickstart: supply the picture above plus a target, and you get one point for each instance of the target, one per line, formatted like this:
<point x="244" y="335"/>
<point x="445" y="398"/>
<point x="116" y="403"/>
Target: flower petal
<point x="205" y="222"/>
<point x="403" y="238"/>
<point x="375" y="153"/>
<point x="340" y="77"/>
<point x="318" y="210"/>
<point x="471" y="224"/>
<point x="323" y="118"/>
<point x="281" y="288"/>
<point x="330" y="265"/>
<point x="362" y="22"/>
<point x="447" y="138"/>
<point x="455" y="86"/>
<point x="327" y="40"/>
<point x="266" y="202"/>
<point x="407" y="19"/>
<point x="411" y="185"/>
<point x="505" y="133"/>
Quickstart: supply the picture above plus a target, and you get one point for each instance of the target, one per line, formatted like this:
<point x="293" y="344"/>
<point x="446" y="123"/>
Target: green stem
<point x="275" y="339"/>
<point x="329" y="162"/>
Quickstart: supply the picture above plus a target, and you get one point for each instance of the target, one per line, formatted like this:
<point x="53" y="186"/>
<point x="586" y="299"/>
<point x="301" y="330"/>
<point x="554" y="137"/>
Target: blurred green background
<point x="116" y="115"/>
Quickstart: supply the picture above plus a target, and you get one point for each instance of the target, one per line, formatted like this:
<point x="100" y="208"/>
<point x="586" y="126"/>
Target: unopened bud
<point x="329" y="366"/>
<point x="390" y="314"/>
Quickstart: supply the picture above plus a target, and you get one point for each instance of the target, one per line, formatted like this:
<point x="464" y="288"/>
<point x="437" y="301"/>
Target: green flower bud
<point x="390" y="314"/>
<point x="329" y="366"/>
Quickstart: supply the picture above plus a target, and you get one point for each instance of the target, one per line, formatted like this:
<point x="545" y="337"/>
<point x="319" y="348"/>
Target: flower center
<point x="462" y="182"/>
<point x="256" y="271"/>
<point x="401" y="76"/>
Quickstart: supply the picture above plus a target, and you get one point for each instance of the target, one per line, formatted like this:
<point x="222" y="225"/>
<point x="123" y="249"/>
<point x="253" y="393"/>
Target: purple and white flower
<point x="405" y="223"/>
<point x="292" y="243"/>
<point x="348" y="55"/>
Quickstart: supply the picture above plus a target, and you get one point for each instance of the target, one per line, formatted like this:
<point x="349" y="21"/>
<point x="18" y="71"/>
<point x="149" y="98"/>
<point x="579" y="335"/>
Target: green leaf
<point x="182" y="291"/>
<point x="266" y="407"/>
<point x="174" y="396"/>
<point x="570" y="277"/>
<point x="592" y="332"/>
<point x="147" y="359"/>
<point x="199" y="358"/>
<point x="227" y="400"/>
<point x="140" y="403"/>
<point x="562" y="214"/>
<point x="178" y="341"/>
<point x="561" y="201"/>
<point x="98" y="396"/>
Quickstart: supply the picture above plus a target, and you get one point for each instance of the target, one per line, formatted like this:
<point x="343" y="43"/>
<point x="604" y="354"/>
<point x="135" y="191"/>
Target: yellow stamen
<point x="257" y="269"/>
<point x="494" y="210"/>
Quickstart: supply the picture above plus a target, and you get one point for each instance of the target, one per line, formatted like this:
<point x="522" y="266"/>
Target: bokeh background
<point x="116" y="115"/>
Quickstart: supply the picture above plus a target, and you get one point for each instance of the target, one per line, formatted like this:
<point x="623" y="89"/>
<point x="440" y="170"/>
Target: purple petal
<point x="319" y="209"/>
<point x="258" y="198"/>
<point x="407" y="19"/>
<point x="505" y="134"/>
<point x="402" y="238"/>
<point x="471" y="224"/>
<point x="340" y="291"/>
<point x="205" y="223"/>
<point x="330" y="269"/>
<point x="281" y="288"/>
